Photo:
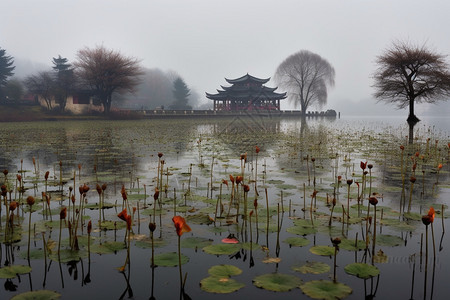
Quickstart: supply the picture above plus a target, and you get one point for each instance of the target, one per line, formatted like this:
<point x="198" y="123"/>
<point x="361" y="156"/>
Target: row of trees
<point x="100" y="72"/>
<point x="406" y="74"/>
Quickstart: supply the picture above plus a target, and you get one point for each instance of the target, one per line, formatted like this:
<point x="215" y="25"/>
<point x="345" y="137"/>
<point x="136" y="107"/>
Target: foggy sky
<point x="207" y="40"/>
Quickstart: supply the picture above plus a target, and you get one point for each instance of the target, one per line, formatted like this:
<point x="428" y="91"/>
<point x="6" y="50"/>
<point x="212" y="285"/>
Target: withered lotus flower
<point x="12" y="205"/>
<point x="231" y="178"/>
<point x="239" y="179"/>
<point x="349" y="181"/>
<point x="5" y="172"/>
<point x="98" y="188"/>
<point x="63" y="213"/>
<point x="373" y="201"/>
<point x="30" y="200"/>
<point x="257" y="149"/>
<point x="104" y="186"/>
<point x="224" y="181"/>
<point x="89" y="227"/>
<point x="426" y="220"/>
<point x="46" y="175"/>
<point x="152" y="226"/>
<point x="180" y="225"/>
<point x="156" y="194"/>
<point x="246" y="188"/>
<point x="160" y="154"/>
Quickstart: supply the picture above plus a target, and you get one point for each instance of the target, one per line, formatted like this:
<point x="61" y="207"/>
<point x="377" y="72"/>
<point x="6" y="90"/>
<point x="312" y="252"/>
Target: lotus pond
<point x="273" y="207"/>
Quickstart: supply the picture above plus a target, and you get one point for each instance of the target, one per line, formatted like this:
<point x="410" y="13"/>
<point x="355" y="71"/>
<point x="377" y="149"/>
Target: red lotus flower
<point x="180" y="225"/>
<point x="431" y="214"/>
<point x="224" y="181"/>
<point x="363" y="165"/>
<point x="239" y="179"/>
<point x="231" y="178"/>
<point x="123" y="214"/>
<point x="231" y="239"/>
<point x="439" y="166"/>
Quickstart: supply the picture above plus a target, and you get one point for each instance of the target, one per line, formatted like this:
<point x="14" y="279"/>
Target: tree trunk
<point x="412" y="117"/>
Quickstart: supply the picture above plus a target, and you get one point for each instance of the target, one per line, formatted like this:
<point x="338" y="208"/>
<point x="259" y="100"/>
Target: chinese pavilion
<point x="246" y="93"/>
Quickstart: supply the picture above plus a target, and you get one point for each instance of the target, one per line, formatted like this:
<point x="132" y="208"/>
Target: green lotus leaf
<point x="195" y="242"/>
<point x="37" y="295"/>
<point x="220" y="285"/>
<point x="169" y="259"/>
<point x="12" y="271"/>
<point x="222" y="249"/>
<point x="277" y="282"/>
<point x="300" y="230"/>
<point x="325" y="289"/>
<point x="199" y="219"/>
<point x="112" y="225"/>
<point x="224" y="271"/>
<point x="296" y="241"/>
<point x="388" y="240"/>
<point x="351" y="245"/>
<point x="361" y="270"/>
<point x="34" y="254"/>
<point x="147" y="243"/>
<point x="322" y="250"/>
<point x="312" y="267"/>
<point x="253" y="246"/>
<point x="107" y="247"/>
<point x="412" y="216"/>
<point x="302" y="222"/>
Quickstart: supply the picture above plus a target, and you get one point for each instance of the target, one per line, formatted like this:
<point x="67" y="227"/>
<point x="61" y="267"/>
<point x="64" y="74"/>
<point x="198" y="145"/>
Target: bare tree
<point x="42" y="84"/>
<point x="106" y="72"/>
<point x="409" y="74"/>
<point x="305" y="76"/>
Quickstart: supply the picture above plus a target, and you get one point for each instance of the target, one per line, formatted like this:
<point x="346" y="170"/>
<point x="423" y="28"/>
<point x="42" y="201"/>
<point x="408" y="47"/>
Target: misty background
<point x="205" y="41"/>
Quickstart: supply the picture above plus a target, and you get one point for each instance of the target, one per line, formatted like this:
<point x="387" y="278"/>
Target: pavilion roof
<point x="240" y="90"/>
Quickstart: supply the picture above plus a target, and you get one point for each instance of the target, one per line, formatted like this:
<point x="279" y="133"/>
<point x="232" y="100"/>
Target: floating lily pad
<point x="12" y="271"/>
<point x="224" y="271"/>
<point x="107" y="247"/>
<point x="351" y="245"/>
<point x="37" y="295"/>
<point x="195" y="242"/>
<point x="361" y="270"/>
<point x="325" y="289"/>
<point x="296" y="241"/>
<point x="220" y="285"/>
<point x="222" y="249"/>
<point x="247" y="246"/>
<point x="277" y="282"/>
<point x="169" y="259"/>
<point x="147" y="243"/>
<point x="313" y="267"/>
<point x="388" y="240"/>
<point x="412" y="216"/>
<point x="34" y="254"/>
<point x="300" y="230"/>
<point x="322" y="250"/>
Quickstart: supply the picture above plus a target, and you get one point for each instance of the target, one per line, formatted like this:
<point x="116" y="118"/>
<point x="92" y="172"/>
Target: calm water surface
<point x="125" y="153"/>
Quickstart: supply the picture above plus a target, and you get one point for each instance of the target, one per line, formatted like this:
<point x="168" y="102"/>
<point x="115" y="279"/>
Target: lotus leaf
<point x="277" y="282"/>
<point x="325" y="289"/>
<point x="362" y="270"/>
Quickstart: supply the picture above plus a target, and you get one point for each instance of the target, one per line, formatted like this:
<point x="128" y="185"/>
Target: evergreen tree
<point x="6" y="70"/>
<point x="181" y="94"/>
<point x="64" y="81"/>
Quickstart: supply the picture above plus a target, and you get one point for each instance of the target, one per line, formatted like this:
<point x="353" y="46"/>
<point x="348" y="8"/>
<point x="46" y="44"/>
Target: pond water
<point x="296" y="158"/>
